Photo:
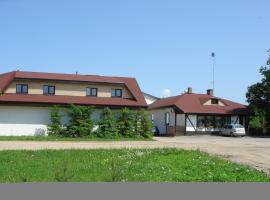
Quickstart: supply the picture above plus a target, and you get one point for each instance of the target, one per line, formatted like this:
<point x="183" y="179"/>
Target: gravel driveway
<point x="250" y="151"/>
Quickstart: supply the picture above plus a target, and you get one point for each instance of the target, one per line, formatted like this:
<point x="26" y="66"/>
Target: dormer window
<point x="214" y="101"/>
<point x="48" y="90"/>
<point x="91" y="92"/>
<point x="116" y="93"/>
<point x="22" y="89"/>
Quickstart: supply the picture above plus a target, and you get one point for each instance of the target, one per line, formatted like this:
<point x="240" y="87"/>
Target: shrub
<point x="143" y="126"/>
<point x="107" y="124"/>
<point x="55" y="128"/>
<point x="126" y="123"/>
<point x="80" y="124"/>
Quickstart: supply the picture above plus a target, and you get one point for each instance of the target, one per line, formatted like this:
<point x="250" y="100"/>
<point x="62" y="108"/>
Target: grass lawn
<point x="51" y="138"/>
<point x="158" y="165"/>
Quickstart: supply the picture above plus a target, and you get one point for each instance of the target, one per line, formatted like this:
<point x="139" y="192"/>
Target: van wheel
<point x="231" y="134"/>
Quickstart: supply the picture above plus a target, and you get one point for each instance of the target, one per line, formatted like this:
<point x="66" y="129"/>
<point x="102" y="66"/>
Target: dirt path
<point x="250" y="151"/>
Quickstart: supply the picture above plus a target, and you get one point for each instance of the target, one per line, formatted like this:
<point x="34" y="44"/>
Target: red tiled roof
<point x="194" y="104"/>
<point x="5" y="80"/>
<point x="130" y="83"/>
<point x="61" y="99"/>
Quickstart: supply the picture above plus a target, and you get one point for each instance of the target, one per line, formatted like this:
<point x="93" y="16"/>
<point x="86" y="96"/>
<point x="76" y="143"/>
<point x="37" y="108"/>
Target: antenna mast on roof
<point x="214" y="63"/>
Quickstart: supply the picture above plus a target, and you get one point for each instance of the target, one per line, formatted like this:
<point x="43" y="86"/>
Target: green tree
<point x="107" y="124"/>
<point x="125" y="122"/>
<point x="257" y="121"/>
<point x="258" y="95"/>
<point x="80" y="124"/>
<point x="55" y="128"/>
<point x="143" y="125"/>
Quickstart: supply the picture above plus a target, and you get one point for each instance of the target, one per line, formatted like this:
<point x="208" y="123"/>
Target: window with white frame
<point x="167" y="118"/>
<point x="152" y="117"/>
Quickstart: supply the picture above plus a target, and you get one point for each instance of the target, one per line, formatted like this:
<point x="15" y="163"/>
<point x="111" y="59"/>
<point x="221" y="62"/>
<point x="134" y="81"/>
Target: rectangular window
<point x="214" y="101"/>
<point x="200" y="121"/>
<point x="48" y="89"/>
<point x="226" y="120"/>
<point x="219" y="121"/>
<point x="209" y="122"/>
<point x="204" y="121"/>
<point x="91" y="92"/>
<point x="22" y="88"/>
<point x="167" y="118"/>
<point x="152" y="117"/>
<point x="116" y="93"/>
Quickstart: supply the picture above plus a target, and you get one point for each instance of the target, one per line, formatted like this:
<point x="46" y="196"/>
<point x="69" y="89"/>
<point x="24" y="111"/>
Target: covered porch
<point x="198" y="124"/>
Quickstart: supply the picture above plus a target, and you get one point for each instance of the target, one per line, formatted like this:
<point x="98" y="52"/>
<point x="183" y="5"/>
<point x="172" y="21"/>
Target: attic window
<point x="214" y="101"/>
<point x="21" y="88"/>
<point x="116" y="93"/>
<point x="48" y="90"/>
<point x="91" y="92"/>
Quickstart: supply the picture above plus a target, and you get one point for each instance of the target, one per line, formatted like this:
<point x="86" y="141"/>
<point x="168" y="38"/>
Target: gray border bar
<point x="135" y="191"/>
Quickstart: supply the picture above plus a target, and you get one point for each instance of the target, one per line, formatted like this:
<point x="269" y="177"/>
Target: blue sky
<point x="165" y="44"/>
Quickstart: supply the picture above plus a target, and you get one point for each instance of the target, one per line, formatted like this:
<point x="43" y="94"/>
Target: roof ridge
<point x="192" y="103"/>
<point x="58" y="73"/>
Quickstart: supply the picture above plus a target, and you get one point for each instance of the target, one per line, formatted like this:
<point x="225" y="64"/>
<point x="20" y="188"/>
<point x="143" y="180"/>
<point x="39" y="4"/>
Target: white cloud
<point x="166" y="93"/>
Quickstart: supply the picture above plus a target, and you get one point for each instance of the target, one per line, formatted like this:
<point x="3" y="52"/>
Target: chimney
<point x="210" y="92"/>
<point x="189" y="90"/>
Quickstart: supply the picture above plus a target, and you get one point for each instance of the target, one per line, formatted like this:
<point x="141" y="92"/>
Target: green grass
<point x="51" y="138"/>
<point x="158" y="165"/>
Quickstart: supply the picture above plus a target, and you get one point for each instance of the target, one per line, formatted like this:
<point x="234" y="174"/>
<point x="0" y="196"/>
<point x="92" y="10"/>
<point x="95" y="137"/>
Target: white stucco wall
<point x="193" y="119"/>
<point x="23" y="120"/>
<point x="235" y="120"/>
<point x="180" y="120"/>
<point x="159" y="118"/>
<point x="96" y="114"/>
<point x="29" y="120"/>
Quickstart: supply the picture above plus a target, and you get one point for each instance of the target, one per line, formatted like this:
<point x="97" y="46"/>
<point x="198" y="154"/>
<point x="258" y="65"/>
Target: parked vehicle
<point x="233" y="130"/>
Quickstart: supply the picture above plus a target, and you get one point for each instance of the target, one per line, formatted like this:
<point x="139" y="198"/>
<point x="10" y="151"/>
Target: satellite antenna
<point x="214" y="63"/>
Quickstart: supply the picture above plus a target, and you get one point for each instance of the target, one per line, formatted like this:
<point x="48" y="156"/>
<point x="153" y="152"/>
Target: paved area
<point x="250" y="151"/>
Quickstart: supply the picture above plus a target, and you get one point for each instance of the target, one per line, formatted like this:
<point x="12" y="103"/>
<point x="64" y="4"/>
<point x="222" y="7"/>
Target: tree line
<point x="258" y="97"/>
